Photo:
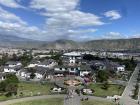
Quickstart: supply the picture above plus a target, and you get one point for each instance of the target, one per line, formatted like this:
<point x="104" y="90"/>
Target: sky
<point x="79" y="20"/>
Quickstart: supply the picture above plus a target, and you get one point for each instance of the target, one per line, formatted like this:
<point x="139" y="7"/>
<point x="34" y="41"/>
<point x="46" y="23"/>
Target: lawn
<point x="111" y="91"/>
<point x="30" y="89"/>
<point x="53" y="101"/>
<point x="95" y="102"/>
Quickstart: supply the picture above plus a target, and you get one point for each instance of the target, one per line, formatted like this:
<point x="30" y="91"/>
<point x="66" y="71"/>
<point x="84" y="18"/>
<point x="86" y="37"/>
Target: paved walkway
<point x="126" y="96"/>
<point x="75" y="100"/>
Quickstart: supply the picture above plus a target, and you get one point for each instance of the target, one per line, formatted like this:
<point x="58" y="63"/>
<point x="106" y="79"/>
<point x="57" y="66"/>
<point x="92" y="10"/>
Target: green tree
<point x="11" y="78"/>
<point x="11" y="84"/>
<point x="11" y="89"/>
<point x="60" y="62"/>
<point x="102" y="75"/>
<point x="32" y="75"/>
<point x="2" y="86"/>
<point x="14" y="57"/>
<point x="26" y="58"/>
<point x="32" y="71"/>
<point x="105" y="85"/>
<point x="4" y="59"/>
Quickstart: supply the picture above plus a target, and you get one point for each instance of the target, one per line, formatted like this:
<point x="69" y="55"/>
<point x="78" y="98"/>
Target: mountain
<point x="7" y="38"/>
<point x="61" y="44"/>
<point x="15" y="41"/>
<point x="114" y="44"/>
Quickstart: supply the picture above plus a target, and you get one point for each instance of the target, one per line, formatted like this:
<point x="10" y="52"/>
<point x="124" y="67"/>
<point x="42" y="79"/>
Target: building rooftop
<point x="72" y="54"/>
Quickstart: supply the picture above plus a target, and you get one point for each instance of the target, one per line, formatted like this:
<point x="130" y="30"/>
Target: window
<point x="72" y="69"/>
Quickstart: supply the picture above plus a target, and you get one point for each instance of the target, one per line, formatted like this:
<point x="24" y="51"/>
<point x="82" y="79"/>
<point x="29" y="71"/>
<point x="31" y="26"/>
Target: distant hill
<point x="62" y="44"/>
<point x="114" y="44"/>
<point x="133" y="43"/>
<point x="15" y="41"/>
<point x="6" y="38"/>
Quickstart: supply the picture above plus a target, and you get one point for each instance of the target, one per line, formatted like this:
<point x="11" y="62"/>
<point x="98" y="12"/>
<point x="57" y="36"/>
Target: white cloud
<point x="76" y="18"/>
<point x="135" y="36"/>
<point x="9" y="17"/>
<point x="81" y="31"/>
<point x="63" y="20"/>
<point x="113" y="35"/>
<point x="113" y="14"/>
<point x="13" y="25"/>
<point x="55" y="5"/>
<point x="10" y="3"/>
<point x="63" y="16"/>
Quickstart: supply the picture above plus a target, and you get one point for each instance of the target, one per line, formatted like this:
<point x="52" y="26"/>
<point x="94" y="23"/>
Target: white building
<point x="72" y="56"/>
<point x="2" y="76"/>
<point x="13" y="63"/>
<point x="47" y="63"/>
<point x="33" y="64"/>
<point x="10" y="69"/>
<point x="120" y="68"/>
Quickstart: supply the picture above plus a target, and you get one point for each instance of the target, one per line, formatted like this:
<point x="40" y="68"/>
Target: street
<point x="126" y="96"/>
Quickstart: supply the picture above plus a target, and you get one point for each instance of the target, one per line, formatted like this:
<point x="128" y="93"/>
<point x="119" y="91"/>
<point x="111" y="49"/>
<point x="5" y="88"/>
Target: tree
<point x="102" y="75"/>
<point x="9" y="85"/>
<point x="26" y="58"/>
<point x="60" y="62"/>
<point x="56" y="57"/>
<point x="11" y="78"/>
<point x="105" y="85"/>
<point x="2" y="86"/>
<point x="14" y="58"/>
<point x="32" y="71"/>
<point x="11" y="88"/>
<point x="32" y="75"/>
<point x="90" y="57"/>
<point x="4" y="59"/>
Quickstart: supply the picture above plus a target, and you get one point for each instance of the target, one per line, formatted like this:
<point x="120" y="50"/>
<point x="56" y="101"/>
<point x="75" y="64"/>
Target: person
<point x="86" y="99"/>
<point x="115" y="99"/>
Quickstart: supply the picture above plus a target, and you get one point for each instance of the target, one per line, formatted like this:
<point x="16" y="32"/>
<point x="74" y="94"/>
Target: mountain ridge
<point x="114" y="44"/>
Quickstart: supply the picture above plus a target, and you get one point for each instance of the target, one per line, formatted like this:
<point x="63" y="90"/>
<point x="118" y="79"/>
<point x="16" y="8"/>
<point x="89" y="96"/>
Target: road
<point x="29" y="99"/>
<point x="126" y="96"/>
<point x="71" y="101"/>
<point x="75" y="100"/>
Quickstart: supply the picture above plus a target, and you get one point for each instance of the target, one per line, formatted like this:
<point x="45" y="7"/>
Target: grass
<point x="30" y="89"/>
<point x="53" y="101"/>
<point x="111" y="91"/>
<point x="3" y="98"/>
<point x="95" y="102"/>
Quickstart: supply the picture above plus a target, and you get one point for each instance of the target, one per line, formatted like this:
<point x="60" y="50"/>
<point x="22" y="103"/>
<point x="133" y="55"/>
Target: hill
<point x="114" y="44"/>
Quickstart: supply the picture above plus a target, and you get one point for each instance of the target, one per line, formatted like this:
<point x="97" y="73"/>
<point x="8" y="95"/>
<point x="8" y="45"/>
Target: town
<point x="69" y="52"/>
<point x="65" y="73"/>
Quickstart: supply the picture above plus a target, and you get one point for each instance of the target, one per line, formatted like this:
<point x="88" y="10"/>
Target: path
<point x="126" y="96"/>
<point x="75" y="100"/>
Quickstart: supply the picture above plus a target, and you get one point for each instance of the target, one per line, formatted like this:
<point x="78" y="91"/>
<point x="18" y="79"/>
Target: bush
<point x="9" y="85"/>
<point x="105" y="85"/>
<point x="102" y="76"/>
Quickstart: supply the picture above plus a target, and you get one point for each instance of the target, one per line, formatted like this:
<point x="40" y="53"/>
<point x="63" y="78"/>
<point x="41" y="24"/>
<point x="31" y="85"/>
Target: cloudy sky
<point x="70" y="19"/>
